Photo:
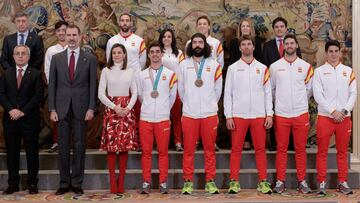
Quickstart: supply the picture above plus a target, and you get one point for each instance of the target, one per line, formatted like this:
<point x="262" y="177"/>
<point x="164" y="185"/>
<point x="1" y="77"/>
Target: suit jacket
<point x="33" y="41"/>
<point x="27" y="98"/>
<point x="79" y="94"/>
<point x="271" y="53"/>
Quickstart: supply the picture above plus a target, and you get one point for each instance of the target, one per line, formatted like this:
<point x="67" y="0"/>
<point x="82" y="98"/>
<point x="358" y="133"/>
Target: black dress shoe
<point x="10" y="190"/>
<point x="77" y="190"/>
<point x="62" y="191"/>
<point x="33" y="189"/>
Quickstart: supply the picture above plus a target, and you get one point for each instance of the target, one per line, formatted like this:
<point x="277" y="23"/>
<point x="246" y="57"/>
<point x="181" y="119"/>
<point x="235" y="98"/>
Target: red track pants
<point x="161" y="132"/>
<point x="206" y="128"/>
<point x="325" y="128"/>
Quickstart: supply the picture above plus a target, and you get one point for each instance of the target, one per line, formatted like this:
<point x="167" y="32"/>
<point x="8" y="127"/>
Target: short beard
<point x="290" y="53"/>
<point x="125" y="29"/>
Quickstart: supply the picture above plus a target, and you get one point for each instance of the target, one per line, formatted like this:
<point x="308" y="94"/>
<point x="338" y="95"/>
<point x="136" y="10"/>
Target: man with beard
<point x="60" y="29"/>
<point x="200" y="86"/>
<point x="291" y="81"/>
<point x="335" y="93"/>
<point x="72" y="92"/>
<point x="135" y="45"/>
<point x="273" y="50"/>
<point x="248" y="104"/>
<point x="217" y="52"/>
<point x="157" y="93"/>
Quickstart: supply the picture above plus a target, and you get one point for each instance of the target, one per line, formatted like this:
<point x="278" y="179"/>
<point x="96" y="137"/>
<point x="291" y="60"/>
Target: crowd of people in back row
<point x="184" y="86"/>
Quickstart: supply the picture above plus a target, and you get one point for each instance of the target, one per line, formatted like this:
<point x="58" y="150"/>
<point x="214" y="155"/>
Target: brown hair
<point x="110" y="62"/>
<point x="247" y="37"/>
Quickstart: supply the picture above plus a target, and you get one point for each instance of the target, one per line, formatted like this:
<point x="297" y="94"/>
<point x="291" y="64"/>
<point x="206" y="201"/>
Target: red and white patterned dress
<point x="119" y="133"/>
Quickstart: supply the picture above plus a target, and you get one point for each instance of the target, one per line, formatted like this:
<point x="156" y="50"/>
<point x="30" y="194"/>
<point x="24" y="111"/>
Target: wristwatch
<point x="344" y="111"/>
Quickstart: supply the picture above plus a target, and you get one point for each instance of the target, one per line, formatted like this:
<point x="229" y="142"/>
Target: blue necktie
<point x="22" y="39"/>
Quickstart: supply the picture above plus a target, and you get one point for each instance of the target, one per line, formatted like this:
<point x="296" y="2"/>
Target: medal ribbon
<point x="156" y="82"/>
<point x="199" y="71"/>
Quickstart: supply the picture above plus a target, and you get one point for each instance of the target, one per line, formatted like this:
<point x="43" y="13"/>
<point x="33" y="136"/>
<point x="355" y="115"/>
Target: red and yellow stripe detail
<point x="181" y="57"/>
<point x="352" y="77"/>
<point x="173" y="80"/>
<point x="218" y="73"/>
<point x="266" y="76"/>
<point x="219" y="50"/>
<point x="142" y="47"/>
<point x="309" y="75"/>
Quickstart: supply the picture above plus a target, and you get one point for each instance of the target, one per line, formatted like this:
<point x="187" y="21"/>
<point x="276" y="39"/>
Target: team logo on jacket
<point x="133" y="44"/>
<point x="208" y="69"/>
<point x="299" y="70"/>
<point x="344" y="74"/>
<point x="164" y="77"/>
<point x="257" y="71"/>
<point x="211" y="47"/>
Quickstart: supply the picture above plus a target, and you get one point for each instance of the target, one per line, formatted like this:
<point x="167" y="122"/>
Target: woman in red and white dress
<point x="118" y="132"/>
<point x="171" y="59"/>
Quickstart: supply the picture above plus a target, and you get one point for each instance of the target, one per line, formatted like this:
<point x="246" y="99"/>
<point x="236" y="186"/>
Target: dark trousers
<point x="68" y="128"/>
<point x="13" y="132"/>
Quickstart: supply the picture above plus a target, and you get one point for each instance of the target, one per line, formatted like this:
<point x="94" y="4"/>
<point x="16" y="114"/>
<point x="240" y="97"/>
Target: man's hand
<point x="53" y="116"/>
<point x="15" y="114"/>
<point x="230" y="124"/>
<point x="89" y="115"/>
<point x="338" y="116"/>
<point x="268" y="122"/>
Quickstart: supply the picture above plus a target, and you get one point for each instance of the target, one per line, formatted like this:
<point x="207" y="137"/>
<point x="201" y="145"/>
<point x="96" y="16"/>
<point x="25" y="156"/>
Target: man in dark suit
<point x="72" y="91"/>
<point x="273" y="50"/>
<point x="22" y="36"/>
<point x="270" y="55"/>
<point x="21" y="93"/>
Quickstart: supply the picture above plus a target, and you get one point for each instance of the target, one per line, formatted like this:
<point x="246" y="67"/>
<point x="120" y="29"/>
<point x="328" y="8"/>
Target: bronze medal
<point x="154" y="94"/>
<point x="199" y="83"/>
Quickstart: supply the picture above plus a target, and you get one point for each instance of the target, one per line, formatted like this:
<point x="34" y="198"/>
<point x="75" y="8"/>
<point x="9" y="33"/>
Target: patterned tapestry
<point x="314" y="22"/>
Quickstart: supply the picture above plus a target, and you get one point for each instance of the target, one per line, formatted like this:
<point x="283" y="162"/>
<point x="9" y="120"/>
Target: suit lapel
<point x="80" y="62"/>
<point x="276" y="48"/>
<point x="26" y="76"/>
<point x="29" y="39"/>
<point x="13" y="78"/>
<point x="64" y="67"/>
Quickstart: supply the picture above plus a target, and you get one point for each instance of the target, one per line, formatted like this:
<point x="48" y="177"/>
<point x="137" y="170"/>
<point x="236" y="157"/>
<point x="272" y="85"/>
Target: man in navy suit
<point x="22" y="36"/>
<point x="270" y="54"/>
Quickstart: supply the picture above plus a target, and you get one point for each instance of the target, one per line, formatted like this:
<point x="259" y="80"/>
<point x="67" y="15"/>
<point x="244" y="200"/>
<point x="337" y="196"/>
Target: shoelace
<point x="145" y="185"/>
<point x="345" y="184"/>
<point x="279" y="183"/>
<point x="304" y="184"/>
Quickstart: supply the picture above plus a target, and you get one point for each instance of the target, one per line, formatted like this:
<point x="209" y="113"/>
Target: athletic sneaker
<point x="163" y="188"/>
<point x="279" y="187"/>
<point x="322" y="188"/>
<point x="145" y="189"/>
<point x="178" y="147"/>
<point x="344" y="188"/>
<point x="211" y="188"/>
<point x="264" y="187"/>
<point x="234" y="187"/>
<point x="303" y="187"/>
<point x="188" y="188"/>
